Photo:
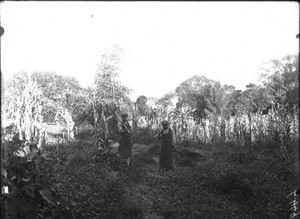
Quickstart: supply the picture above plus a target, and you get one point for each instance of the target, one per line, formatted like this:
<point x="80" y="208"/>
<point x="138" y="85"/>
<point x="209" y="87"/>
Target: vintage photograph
<point x="149" y="110"/>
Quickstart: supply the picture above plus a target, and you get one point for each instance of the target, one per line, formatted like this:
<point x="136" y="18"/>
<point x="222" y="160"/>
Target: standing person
<point x="167" y="138"/>
<point x="125" y="142"/>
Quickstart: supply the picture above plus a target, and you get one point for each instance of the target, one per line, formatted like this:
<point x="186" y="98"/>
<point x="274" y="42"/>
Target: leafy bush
<point x="31" y="187"/>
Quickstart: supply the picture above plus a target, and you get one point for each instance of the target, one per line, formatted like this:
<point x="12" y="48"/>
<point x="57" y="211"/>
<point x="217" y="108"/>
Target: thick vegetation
<point x="236" y="153"/>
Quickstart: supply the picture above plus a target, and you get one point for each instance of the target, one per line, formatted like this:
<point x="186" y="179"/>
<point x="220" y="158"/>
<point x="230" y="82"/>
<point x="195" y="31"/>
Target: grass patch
<point x="224" y="181"/>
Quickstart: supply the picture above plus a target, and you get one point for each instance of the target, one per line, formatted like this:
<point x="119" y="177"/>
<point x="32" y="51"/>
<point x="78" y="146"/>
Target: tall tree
<point x="60" y="93"/>
<point x="281" y="79"/>
<point x="108" y="96"/>
<point x="202" y="94"/>
<point x="108" y="88"/>
<point x="141" y="106"/>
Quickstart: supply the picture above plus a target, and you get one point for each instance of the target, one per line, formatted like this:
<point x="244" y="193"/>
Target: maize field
<point x="239" y="129"/>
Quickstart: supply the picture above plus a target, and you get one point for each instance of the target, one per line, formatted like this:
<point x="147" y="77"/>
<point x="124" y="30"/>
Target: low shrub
<point x="31" y="186"/>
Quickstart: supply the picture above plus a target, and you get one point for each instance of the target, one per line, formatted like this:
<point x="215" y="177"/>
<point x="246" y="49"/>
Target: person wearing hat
<point x="167" y="138"/>
<point x="125" y="148"/>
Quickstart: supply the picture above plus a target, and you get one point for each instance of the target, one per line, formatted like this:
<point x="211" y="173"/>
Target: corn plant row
<point x="240" y="129"/>
<point x="25" y="113"/>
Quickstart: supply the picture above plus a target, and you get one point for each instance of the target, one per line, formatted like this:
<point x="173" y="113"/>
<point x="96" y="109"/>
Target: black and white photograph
<point x="149" y="109"/>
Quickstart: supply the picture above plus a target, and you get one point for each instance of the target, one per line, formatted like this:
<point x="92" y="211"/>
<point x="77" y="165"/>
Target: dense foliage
<point x="235" y="149"/>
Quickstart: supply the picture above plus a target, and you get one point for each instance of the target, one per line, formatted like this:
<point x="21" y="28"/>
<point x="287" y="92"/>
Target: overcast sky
<point x="165" y="43"/>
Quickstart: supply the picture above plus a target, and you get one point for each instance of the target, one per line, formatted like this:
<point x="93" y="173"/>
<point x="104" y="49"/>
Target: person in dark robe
<point x="125" y="142"/>
<point x="167" y="138"/>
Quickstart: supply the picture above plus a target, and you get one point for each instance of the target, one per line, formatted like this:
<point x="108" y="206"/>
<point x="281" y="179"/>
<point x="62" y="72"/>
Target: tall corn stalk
<point x="64" y="116"/>
<point x="29" y="113"/>
<point x="25" y="114"/>
<point x="95" y="116"/>
<point x="245" y="129"/>
<point x="241" y="129"/>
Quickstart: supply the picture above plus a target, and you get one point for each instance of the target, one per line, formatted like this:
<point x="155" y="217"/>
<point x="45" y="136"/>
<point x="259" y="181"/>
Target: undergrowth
<point x="226" y="181"/>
